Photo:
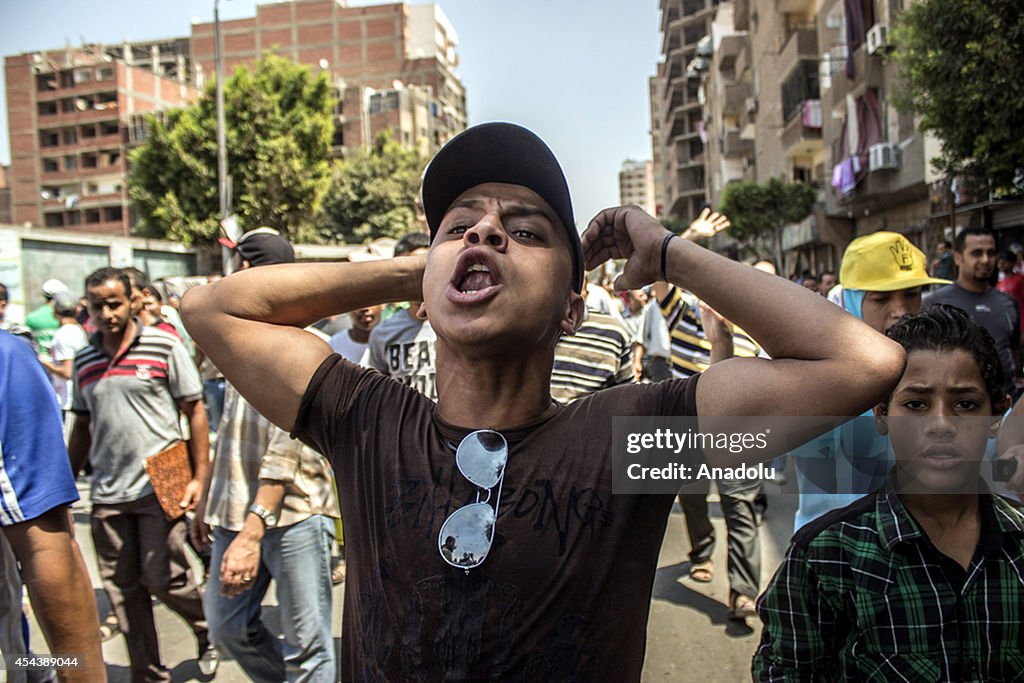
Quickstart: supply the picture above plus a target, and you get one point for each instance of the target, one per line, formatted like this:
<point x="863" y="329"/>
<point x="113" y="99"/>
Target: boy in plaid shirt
<point x="924" y="579"/>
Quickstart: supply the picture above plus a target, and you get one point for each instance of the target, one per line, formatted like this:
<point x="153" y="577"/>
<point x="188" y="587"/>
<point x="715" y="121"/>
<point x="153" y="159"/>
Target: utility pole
<point x="222" y="154"/>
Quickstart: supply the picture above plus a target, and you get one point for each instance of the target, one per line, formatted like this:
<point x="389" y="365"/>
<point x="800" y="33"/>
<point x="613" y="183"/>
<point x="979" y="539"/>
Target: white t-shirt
<point x="68" y="340"/>
<point x="349" y="349"/>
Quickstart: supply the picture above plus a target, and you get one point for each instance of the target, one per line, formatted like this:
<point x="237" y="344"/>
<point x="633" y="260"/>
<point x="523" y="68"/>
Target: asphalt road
<point x="690" y="637"/>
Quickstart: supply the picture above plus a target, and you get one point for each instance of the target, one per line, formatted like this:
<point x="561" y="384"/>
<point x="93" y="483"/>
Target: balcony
<point x="799" y="139"/>
<point x="735" y="99"/>
<point x="868" y="73"/>
<point x="728" y="51"/>
<point x="734" y="146"/>
<point x="802" y="44"/>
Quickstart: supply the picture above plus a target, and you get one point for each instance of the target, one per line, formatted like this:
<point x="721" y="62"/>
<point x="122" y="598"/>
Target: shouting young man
<point x="484" y="539"/>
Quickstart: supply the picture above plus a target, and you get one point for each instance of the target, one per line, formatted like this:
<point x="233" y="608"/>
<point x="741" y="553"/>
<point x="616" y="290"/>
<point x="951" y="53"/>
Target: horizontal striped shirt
<point x="598" y="356"/>
<point x="691" y="350"/>
<point x="132" y="402"/>
<point x="864" y="595"/>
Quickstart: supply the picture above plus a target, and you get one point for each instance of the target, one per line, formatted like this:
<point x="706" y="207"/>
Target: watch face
<point x="271" y="519"/>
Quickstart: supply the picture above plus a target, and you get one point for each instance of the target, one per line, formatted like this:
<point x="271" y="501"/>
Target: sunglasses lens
<point x="481" y="457"/>
<point x="465" y="537"/>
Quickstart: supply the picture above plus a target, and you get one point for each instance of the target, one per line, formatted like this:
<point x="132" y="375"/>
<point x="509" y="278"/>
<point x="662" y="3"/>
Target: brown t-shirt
<point x="564" y="593"/>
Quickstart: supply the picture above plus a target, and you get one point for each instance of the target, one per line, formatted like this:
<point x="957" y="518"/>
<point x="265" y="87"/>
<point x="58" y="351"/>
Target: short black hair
<point x="138" y="278"/>
<point x="946" y="328"/>
<point x="411" y="242"/>
<point x="961" y="238"/>
<point x="826" y="272"/>
<point x="102" y="275"/>
<point x="947" y="244"/>
<point x="1007" y="255"/>
<point x="3" y="292"/>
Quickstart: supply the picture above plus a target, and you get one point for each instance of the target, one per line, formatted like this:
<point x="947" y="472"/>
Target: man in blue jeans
<point x="271" y="505"/>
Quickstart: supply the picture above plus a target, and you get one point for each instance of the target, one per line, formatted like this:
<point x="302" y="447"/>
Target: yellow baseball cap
<point x="884" y="262"/>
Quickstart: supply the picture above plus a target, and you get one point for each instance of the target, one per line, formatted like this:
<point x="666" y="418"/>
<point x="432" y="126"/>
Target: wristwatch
<point x="268" y="517"/>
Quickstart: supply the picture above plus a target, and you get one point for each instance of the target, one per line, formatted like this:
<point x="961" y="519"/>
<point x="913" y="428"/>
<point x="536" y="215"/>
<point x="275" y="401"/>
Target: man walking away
<point x="132" y="384"/>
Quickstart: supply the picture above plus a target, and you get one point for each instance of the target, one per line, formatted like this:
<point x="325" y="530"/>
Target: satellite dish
<point x="397" y="84"/>
<point x="80" y="104"/>
<point x="324" y="64"/>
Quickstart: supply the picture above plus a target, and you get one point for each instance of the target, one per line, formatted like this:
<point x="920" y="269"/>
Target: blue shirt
<point x="35" y="475"/>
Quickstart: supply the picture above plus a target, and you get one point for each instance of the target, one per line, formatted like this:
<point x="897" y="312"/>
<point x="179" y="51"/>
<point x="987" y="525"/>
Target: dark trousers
<point x="142" y="554"/>
<point x="739" y="509"/>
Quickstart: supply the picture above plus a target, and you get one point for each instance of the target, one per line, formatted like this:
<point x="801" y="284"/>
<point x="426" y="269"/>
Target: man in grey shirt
<point x="975" y="258"/>
<point x="403" y="345"/>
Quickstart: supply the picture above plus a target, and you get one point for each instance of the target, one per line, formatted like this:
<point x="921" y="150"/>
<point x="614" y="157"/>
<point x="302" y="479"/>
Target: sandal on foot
<point x="701" y="572"/>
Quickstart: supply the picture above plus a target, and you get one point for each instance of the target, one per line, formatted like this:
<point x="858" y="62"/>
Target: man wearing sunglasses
<point x="484" y="538"/>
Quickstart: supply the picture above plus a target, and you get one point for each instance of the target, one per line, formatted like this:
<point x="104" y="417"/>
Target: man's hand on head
<point x="626" y="232"/>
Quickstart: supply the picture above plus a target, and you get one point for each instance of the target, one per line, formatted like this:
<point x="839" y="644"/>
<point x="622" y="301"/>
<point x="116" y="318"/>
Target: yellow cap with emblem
<point x="884" y="262"/>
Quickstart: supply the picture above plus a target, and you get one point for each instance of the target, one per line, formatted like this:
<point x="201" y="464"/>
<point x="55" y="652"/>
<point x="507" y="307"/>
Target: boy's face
<point x="500" y="267"/>
<point x="938" y="421"/>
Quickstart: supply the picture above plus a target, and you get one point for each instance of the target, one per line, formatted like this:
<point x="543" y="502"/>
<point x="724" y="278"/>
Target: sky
<point x="573" y="71"/>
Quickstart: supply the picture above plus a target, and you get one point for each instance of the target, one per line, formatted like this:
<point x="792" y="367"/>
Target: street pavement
<point x="689" y="635"/>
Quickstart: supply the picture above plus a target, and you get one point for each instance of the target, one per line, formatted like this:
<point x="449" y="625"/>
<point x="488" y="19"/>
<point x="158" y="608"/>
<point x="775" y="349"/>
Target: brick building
<point x="393" y="65"/>
<point x="70" y="117"/>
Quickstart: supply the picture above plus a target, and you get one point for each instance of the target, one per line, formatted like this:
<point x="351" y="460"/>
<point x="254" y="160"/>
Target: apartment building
<point x="5" y="196"/>
<point x="636" y="185"/>
<point x="392" y="65"/>
<point x="71" y="114"/>
<point x="681" y="136"/>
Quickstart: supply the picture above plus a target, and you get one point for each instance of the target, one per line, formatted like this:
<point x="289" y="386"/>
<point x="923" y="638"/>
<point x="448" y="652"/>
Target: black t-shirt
<point x="564" y="593"/>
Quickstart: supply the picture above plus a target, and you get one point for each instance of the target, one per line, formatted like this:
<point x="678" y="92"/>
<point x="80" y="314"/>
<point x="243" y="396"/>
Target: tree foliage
<point x="278" y="129"/>
<point x="759" y="211"/>
<point x="961" y="64"/>
<point x="372" y="194"/>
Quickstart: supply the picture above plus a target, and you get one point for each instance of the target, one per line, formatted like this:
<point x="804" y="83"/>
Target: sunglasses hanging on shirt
<point x="466" y="536"/>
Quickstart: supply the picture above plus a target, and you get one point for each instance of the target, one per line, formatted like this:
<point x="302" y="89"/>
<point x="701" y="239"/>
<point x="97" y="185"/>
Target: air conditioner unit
<point x="877" y="38"/>
<point x="751" y="105"/>
<point x="884" y="156"/>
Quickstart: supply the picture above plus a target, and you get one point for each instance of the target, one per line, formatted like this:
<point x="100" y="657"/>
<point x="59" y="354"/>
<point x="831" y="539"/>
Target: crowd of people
<point x="392" y="424"/>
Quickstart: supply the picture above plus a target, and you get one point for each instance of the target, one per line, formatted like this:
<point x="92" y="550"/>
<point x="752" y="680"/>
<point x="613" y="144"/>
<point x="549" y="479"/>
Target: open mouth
<point x="476" y="277"/>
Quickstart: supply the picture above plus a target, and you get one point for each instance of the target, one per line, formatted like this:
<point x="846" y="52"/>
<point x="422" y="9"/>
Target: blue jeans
<point x="213" y="399"/>
<point x="298" y="558"/>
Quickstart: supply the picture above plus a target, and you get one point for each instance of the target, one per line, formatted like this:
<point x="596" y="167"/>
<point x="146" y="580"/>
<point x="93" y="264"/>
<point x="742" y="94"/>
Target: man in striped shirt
<point x="598" y="356"/>
<point x="131" y="385"/>
<point x="692" y="352"/>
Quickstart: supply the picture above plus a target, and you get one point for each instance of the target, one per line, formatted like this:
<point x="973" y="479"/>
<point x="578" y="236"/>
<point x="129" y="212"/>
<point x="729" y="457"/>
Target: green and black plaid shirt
<point x="863" y="595"/>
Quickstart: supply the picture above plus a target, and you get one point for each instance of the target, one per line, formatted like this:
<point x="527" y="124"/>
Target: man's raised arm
<point x="824" y="361"/>
<point x="250" y="324"/>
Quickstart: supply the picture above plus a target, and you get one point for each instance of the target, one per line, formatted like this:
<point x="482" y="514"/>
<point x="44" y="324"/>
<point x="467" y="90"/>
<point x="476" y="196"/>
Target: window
<point x="45" y="82"/>
<point x="48" y="138"/>
<point x="92" y="216"/>
<point x="47" y="108"/>
<point x="113" y="213"/>
<point x="51" y="166"/>
<point x="88" y="131"/>
<point x="105" y="74"/>
<point x="109" y="128"/>
<point x="89" y="161"/>
<point x="83" y="75"/>
<point x="70" y="162"/>
<point x="69" y="136"/>
<point x="54" y="220"/>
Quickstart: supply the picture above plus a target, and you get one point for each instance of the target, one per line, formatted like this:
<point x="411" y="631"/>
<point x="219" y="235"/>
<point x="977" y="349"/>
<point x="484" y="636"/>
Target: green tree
<point x="961" y="64"/>
<point x="278" y="129"/>
<point x="758" y="211"/>
<point x="372" y="194"/>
